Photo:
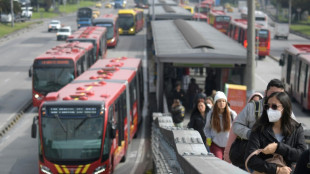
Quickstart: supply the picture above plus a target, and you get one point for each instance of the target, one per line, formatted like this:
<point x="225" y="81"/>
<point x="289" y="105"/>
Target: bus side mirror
<point x="30" y="71"/>
<point x="34" y="127"/>
<point x="113" y="131"/>
<point x="281" y="61"/>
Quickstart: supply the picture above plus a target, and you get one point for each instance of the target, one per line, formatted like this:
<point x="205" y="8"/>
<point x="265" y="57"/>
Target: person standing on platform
<point x="192" y="91"/>
<point x="198" y="119"/>
<point x="178" y="113"/>
<point x="178" y="93"/>
<point x="218" y="124"/>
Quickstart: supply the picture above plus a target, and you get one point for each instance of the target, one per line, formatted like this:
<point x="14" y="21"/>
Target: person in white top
<point x="218" y="124"/>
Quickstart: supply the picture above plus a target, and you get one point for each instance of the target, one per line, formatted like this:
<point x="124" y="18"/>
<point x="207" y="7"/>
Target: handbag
<point x="237" y="152"/>
<point x="276" y="159"/>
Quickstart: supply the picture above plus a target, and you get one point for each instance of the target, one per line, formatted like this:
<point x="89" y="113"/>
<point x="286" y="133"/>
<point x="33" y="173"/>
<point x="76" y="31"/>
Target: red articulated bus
<point x="219" y="20"/>
<point x="238" y="31"/>
<point x="204" y="6"/>
<point x="295" y="62"/>
<point x="110" y="21"/>
<point x="59" y="66"/>
<point x="94" y="35"/>
<point x="86" y="127"/>
<point x="201" y="17"/>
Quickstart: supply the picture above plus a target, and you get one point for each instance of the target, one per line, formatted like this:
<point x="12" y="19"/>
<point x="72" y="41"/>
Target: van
<point x="281" y="30"/>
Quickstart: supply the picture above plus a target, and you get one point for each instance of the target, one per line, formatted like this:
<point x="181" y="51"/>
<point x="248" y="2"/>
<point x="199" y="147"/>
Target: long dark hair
<point x="287" y="123"/>
<point x="216" y="125"/>
<point x="196" y="110"/>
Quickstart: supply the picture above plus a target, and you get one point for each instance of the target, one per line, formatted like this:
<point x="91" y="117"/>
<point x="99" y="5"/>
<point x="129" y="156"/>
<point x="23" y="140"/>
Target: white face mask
<point x="274" y="115"/>
<point x="209" y="105"/>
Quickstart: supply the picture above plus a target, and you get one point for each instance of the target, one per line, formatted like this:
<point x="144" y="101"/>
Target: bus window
<point x="263" y="34"/>
<point x="306" y="81"/>
<point x="289" y="68"/>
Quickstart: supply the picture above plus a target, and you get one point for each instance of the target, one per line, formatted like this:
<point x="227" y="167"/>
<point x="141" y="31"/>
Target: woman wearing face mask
<point x="276" y="132"/>
<point x="218" y="124"/>
<point x="198" y="119"/>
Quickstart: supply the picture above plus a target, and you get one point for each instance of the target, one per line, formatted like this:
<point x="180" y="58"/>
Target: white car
<point x="63" y="33"/>
<point x="54" y="25"/>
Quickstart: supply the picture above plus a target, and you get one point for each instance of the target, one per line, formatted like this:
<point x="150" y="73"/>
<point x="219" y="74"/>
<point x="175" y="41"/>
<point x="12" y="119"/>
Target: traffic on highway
<point x="85" y="93"/>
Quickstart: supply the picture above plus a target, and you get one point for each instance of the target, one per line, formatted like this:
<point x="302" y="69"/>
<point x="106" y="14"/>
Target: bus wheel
<point x="124" y="157"/>
<point x="261" y="57"/>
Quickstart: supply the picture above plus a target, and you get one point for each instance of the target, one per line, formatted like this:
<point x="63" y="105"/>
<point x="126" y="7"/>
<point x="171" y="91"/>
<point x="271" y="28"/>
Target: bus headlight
<point x="45" y="169"/>
<point x="131" y="29"/>
<point x="100" y="169"/>
<point x="112" y="40"/>
<point x="37" y="96"/>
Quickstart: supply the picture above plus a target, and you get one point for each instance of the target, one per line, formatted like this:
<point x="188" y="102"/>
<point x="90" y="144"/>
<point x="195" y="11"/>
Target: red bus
<point x="94" y="35"/>
<point x="86" y="127"/>
<point x="295" y="62"/>
<point x="59" y="66"/>
<point x="130" y="20"/>
<point x="110" y="21"/>
<point x="204" y="7"/>
<point x="201" y="17"/>
<point x="238" y="31"/>
<point x="219" y="20"/>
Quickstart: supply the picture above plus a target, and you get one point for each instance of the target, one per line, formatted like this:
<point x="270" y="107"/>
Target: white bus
<point x="260" y="17"/>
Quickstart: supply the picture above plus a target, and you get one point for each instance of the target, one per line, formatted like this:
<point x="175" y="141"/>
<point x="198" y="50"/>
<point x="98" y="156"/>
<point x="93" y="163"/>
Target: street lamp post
<point x="12" y="14"/>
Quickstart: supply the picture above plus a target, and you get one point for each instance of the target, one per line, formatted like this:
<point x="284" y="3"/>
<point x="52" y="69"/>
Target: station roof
<point x="164" y="2"/>
<point x="170" y="12"/>
<point x="194" y="42"/>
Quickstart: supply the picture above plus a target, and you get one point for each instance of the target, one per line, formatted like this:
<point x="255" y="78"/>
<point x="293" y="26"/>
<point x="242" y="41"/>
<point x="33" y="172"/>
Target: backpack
<point x="237" y="150"/>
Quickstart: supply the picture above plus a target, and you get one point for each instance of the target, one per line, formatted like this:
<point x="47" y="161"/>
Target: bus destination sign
<point x="66" y="111"/>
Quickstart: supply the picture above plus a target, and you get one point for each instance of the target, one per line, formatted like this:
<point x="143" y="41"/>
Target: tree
<point x="5" y="7"/>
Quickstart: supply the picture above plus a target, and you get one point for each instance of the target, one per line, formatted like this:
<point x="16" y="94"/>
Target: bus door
<point x="303" y="81"/>
<point x="288" y="69"/>
<point x="294" y="74"/>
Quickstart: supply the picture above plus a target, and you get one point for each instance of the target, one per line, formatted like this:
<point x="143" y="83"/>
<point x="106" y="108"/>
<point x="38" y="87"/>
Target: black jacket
<point x="197" y="122"/>
<point x="301" y="166"/>
<point x="290" y="148"/>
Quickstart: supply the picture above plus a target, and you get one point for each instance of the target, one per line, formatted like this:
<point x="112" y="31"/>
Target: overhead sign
<point x="236" y="96"/>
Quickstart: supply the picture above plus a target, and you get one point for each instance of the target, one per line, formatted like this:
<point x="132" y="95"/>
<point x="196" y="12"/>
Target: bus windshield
<point x="49" y="79"/>
<point x="126" y="21"/>
<point x="72" y="139"/>
<point x="110" y="29"/>
<point x="260" y="18"/>
<point x="263" y="34"/>
<point x="84" y="13"/>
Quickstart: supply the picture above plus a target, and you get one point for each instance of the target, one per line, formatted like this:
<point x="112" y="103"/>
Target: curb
<point x="274" y="58"/>
<point x="15" y="118"/>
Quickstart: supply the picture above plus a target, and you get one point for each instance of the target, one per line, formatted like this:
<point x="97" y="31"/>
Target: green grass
<point x="305" y="29"/>
<point x="69" y="8"/>
<point x="6" y="29"/>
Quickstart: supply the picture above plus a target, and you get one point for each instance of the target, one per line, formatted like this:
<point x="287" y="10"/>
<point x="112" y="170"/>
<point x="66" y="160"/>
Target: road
<point x="19" y="152"/>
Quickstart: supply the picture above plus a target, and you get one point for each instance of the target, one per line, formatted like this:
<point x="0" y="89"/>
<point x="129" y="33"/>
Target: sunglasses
<point x="273" y="106"/>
